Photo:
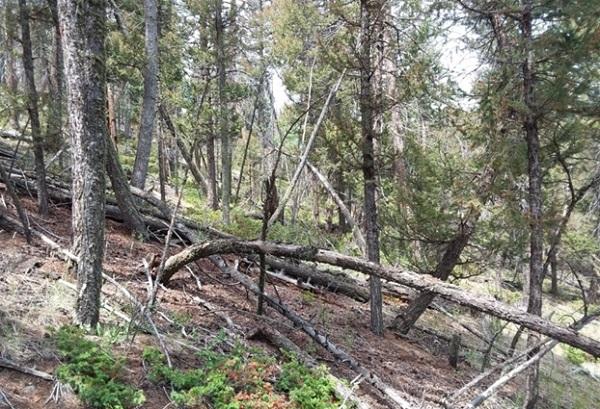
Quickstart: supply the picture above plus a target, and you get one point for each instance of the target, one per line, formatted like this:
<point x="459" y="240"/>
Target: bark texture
<point x="83" y="25"/>
<point x="223" y="123"/>
<point x="32" y="108"/>
<point x="367" y="114"/>
<point x="536" y="240"/>
<point x="144" y="145"/>
<point x="125" y="199"/>
<point x="55" y="116"/>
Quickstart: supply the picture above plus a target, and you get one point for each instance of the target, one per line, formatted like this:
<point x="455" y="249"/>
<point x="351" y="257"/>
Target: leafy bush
<point x="243" y="379"/>
<point x="307" y="388"/>
<point x="93" y="372"/>
<point x="576" y="356"/>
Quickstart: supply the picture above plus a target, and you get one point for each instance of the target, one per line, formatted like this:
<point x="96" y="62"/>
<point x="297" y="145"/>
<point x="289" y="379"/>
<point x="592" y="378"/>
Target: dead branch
<point x="6" y="363"/>
<point x="311" y="139"/>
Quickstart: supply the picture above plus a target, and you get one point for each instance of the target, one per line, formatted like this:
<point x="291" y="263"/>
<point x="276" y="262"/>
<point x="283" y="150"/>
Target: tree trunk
<point x="554" y="273"/>
<point x="125" y="199"/>
<point x="144" y="145"/>
<point x="211" y="164"/>
<point x="55" y="116"/>
<point x="12" y="79"/>
<point x="443" y="270"/>
<point x="368" y="166"/>
<point x="83" y="25"/>
<point x="32" y="107"/>
<point x="533" y="286"/>
<point x="223" y="123"/>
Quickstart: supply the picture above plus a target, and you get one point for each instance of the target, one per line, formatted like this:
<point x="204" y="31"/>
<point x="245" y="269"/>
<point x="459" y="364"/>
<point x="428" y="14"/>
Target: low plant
<point x="576" y="356"/>
<point x="243" y="379"/>
<point x="93" y="372"/>
<point x="307" y="388"/>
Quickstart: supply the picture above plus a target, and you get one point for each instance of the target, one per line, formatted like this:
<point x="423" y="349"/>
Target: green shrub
<point x="309" y="389"/>
<point x="93" y="372"/>
<point x="576" y="356"/>
<point x="242" y="379"/>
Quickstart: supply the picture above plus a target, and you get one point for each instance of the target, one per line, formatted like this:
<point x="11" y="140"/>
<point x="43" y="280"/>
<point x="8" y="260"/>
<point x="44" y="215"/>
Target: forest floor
<point x="35" y="297"/>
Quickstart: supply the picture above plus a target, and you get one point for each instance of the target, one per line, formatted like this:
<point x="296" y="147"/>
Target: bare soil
<point x="35" y="298"/>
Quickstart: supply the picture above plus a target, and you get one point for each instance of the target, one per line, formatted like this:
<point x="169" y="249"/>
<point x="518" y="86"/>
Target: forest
<point x="300" y="204"/>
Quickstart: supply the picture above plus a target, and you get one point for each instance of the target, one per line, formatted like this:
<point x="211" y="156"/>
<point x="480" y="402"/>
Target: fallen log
<point x="407" y="278"/>
<point x="334" y="283"/>
<point x="391" y="395"/>
<point x="5" y="363"/>
<point x="544" y="348"/>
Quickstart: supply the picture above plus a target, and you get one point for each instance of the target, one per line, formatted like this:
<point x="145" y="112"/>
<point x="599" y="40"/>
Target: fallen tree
<point x="417" y="281"/>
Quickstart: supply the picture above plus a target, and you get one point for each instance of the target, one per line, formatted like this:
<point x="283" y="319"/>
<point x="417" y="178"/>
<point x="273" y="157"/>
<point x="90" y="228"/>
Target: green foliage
<point x="242" y="379"/>
<point x="576" y="356"/>
<point x="309" y="389"/>
<point x="93" y="372"/>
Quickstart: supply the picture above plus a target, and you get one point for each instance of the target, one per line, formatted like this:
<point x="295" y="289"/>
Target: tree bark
<point x="144" y="145"/>
<point x="125" y="199"/>
<point x="417" y="307"/>
<point x="536" y="228"/>
<point x="32" y="107"/>
<point x="12" y="79"/>
<point x="83" y="25"/>
<point x="55" y="116"/>
<point x="223" y="123"/>
<point x="367" y="105"/>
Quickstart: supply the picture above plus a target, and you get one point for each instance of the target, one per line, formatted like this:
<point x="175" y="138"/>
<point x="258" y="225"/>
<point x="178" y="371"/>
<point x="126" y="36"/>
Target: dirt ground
<point x="35" y="297"/>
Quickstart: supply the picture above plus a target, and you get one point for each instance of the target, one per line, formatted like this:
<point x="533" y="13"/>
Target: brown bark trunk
<point x="12" y="79"/>
<point x="151" y="71"/>
<point x="32" y="107"/>
<point x="83" y="25"/>
<point x="223" y="122"/>
<point x="367" y="114"/>
<point x="536" y="273"/>
<point x="55" y="116"/>
<point x="449" y="260"/>
<point x="125" y="199"/>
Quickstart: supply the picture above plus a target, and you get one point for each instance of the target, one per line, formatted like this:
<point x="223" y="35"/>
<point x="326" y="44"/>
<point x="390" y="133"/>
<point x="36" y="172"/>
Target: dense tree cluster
<point x="337" y="124"/>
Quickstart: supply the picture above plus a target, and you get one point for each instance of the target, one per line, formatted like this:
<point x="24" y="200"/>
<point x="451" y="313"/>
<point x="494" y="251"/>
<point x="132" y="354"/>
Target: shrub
<point x="93" y="372"/>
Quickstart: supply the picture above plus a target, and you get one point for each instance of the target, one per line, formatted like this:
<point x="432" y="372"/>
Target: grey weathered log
<point x="417" y="281"/>
<point x="5" y="363"/>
